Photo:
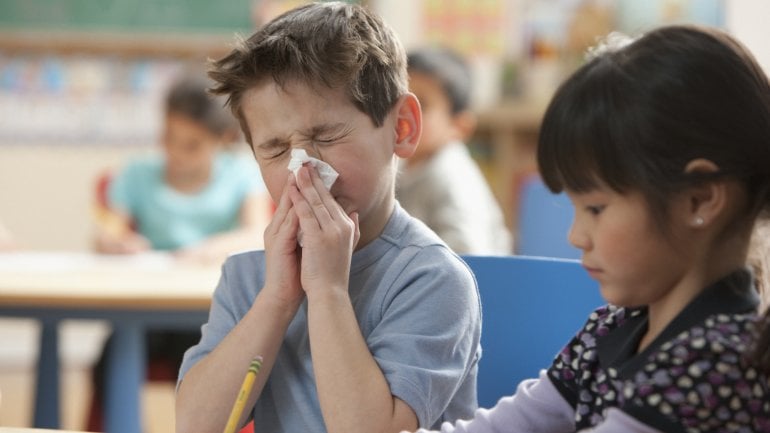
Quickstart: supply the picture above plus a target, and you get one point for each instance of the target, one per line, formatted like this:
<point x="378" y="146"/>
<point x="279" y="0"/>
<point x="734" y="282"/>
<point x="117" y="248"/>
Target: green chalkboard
<point x="223" y="16"/>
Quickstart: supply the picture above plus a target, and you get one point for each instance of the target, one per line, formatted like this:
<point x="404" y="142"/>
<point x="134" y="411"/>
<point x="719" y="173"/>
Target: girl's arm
<point x="536" y="407"/>
<point x="618" y="421"/>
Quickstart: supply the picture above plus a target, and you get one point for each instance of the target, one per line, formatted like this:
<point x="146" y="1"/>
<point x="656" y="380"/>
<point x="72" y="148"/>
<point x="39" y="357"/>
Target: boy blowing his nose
<point x="389" y="313"/>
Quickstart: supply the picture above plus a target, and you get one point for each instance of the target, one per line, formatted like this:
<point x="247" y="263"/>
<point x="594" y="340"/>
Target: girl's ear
<point x="706" y="201"/>
<point x="408" y="127"/>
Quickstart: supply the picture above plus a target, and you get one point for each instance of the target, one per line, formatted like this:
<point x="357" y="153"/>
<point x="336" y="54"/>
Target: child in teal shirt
<point x="196" y="200"/>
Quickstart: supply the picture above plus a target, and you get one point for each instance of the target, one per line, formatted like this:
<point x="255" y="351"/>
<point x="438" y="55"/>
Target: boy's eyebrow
<point x="324" y="128"/>
<point x="274" y="142"/>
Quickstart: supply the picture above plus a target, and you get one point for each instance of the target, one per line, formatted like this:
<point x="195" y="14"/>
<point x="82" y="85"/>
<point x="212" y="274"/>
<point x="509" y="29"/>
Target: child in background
<point x="441" y="184"/>
<point x="663" y="146"/>
<point x="389" y="313"/>
<point x="197" y="199"/>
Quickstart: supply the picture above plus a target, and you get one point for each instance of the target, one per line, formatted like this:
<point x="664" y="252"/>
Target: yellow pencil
<point x="243" y="395"/>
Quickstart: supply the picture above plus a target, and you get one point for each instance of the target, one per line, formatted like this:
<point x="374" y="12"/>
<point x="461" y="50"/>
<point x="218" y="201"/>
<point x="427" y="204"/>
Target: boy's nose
<point x="310" y="148"/>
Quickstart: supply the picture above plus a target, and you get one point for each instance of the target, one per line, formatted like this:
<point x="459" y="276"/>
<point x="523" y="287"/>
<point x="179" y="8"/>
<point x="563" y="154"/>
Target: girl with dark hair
<point x="663" y="145"/>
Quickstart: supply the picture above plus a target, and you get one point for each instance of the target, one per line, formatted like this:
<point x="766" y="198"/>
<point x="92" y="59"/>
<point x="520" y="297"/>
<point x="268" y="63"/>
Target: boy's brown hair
<point x="334" y="44"/>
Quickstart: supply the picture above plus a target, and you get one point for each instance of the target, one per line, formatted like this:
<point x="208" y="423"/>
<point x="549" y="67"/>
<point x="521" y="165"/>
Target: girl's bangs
<point x="584" y="135"/>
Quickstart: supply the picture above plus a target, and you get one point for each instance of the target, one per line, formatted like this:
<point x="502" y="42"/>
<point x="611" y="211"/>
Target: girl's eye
<point x="595" y="210"/>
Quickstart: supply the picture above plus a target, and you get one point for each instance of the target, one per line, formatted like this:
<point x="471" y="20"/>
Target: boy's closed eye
<point x="328" y="134"/>
<point x="272" y="149"/>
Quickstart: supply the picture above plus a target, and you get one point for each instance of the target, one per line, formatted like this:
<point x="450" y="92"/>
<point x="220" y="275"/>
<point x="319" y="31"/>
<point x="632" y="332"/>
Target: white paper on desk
<point x="299" y="157"/>
<point x="48" y="261"/>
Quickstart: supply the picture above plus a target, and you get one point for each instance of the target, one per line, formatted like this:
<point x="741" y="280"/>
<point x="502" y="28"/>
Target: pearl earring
<point x="699" y="221"/>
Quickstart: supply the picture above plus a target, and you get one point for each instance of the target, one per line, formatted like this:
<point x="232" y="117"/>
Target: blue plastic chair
<point x="544" y="221"/>
<point x="531" y="308"/>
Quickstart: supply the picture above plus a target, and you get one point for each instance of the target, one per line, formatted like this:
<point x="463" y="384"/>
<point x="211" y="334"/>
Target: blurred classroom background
<point x="81" y="85"/>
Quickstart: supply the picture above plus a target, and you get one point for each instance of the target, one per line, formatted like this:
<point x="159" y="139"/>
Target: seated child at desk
<point x="441" y="184"/>
<point x="196" y="199"/>
<point x="372" y="322"/>
<point x="663" y="146"/>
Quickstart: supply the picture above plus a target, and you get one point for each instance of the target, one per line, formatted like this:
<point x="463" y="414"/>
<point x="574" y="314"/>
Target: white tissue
<point x="299" y="157"/>
<point x="328" y="175"/>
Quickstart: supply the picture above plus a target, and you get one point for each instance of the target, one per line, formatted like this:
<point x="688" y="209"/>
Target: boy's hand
<point x="329" y="234"/>
<point x="281" y="252"/>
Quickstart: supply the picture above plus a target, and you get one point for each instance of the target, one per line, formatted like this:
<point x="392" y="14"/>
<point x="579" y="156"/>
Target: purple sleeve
<point x="536" y="407"/>
<point x="617" y="420"/>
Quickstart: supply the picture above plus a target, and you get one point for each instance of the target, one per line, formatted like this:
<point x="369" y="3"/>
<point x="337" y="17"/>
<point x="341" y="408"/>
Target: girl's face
<point x="633" y="260"/>
<point x="190" y="148"/>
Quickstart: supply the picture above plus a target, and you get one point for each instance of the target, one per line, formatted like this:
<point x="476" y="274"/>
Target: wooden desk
<point x="133" y="293"/>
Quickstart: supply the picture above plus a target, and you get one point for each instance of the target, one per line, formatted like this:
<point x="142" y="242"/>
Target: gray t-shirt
<point x="418" y="309"/>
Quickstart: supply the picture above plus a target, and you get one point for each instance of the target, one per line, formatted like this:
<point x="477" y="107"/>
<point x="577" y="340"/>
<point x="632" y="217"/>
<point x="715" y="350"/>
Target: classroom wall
<point x="46" y="191"/>
<point x="747" y="20"/>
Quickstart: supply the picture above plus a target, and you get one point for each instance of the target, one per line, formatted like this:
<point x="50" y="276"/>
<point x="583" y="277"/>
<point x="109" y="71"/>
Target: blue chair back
<point x="543" y="222"/>
<point x="531" y="308"/>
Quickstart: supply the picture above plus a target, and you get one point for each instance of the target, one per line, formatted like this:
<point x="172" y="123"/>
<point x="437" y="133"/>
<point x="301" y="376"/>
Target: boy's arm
<point x="206" y="394"/>
<point x="209" y="389"/>
<point x="352" y="391"/>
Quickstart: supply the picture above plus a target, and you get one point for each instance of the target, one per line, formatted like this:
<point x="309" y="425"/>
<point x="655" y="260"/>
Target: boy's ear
<point x="408" y="127"/>
<point x="706" y="201"/>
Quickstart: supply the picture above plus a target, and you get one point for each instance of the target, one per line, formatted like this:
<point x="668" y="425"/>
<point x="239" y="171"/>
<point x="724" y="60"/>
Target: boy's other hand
<point x="281" y="253"/>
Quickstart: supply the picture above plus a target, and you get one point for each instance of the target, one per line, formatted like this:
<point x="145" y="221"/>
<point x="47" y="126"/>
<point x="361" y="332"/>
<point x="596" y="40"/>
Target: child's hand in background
<point x="126" y="243"/>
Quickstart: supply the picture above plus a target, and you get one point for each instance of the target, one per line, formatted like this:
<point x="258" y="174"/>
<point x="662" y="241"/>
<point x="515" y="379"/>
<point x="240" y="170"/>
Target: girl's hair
<point x="189" y="97"/>
<point x="633" y="116"/>
<point x="334" y="44"/>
